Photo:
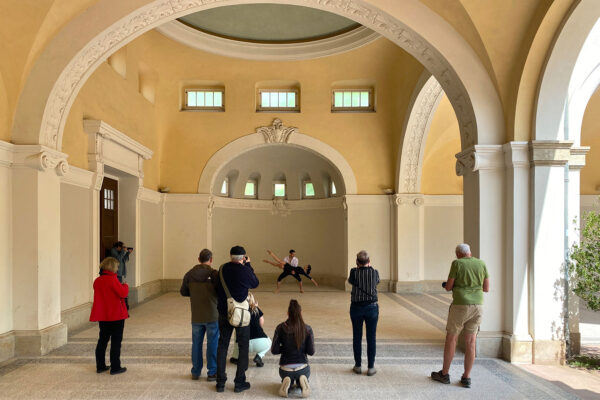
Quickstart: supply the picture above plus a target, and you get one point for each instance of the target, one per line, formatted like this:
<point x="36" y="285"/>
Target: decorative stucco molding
<point x="158" y="12"/>
<point x="277" y="132"/>
<point x="108" y="146"/>
<point x="479" y="158"/>
<point x="409" y="199"/>
<point x="516" y="154"/>
<point x="150" y="196"/>
<point x="79" y="177"/>
<point x="267" y="135"/>
<point x="267" y="51"/>
<point x="41" y="158"/>
<point x="426" y="98"/>
<point x="6" y="154"/>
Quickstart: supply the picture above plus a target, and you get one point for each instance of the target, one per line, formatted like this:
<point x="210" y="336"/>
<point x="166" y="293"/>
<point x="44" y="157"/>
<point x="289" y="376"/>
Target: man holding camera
<point x="121" y="253"/>
<point x="468" y="279"/>
<point x="239" y="277"/>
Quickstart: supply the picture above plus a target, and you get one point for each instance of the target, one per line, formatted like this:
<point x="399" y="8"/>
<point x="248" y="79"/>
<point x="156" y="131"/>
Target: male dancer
<point x="288" y="269"/>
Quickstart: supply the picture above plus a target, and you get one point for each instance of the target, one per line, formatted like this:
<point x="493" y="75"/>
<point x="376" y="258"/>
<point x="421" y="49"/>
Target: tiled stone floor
<point x="157" y="343"/>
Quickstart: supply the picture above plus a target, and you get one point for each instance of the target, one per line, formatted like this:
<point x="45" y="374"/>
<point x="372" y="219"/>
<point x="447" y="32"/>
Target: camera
<point x="444" y="284"/>
<point x="130" y="248"/>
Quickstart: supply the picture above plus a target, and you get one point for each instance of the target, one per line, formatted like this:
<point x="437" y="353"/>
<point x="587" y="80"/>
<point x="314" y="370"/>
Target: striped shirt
<point x="364" y="281"/>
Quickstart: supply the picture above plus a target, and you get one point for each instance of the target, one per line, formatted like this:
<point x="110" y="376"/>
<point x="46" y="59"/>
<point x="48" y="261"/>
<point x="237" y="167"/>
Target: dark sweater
<point x="199" y="284"/>
<point x="364" y="281"/>
<point x="238" y="278"/>
<point x="284" y="344"/>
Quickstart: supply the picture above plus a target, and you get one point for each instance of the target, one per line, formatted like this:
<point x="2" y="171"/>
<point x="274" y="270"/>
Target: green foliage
<point x="583" y="361"/>
<point x="585" y="263"/>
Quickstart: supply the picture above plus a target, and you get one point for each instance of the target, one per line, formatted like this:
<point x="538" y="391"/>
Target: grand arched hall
<point x="327" y="126"/>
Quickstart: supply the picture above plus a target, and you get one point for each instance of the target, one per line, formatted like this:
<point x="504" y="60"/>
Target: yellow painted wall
<point x="443" y="142"/>
<point x="590" y="136"/>
<point x="116" y="100"/>
<point x="184" y="141"/>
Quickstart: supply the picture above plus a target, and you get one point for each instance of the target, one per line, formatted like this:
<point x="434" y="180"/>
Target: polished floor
<point x="410" y="340"/>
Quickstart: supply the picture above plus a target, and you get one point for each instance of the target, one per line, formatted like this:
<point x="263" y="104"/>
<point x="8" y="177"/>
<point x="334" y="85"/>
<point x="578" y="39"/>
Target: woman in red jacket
<point x="110" y="310"/>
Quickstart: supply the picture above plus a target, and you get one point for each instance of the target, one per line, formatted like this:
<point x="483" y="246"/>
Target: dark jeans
<point x="295" y="375"/>
<point x="369" y="314"/>
<point x="113" y="331"/>
<point x="243" y="340"/>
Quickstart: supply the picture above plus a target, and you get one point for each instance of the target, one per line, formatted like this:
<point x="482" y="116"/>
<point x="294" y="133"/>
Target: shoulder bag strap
<point x="223" y="282"/>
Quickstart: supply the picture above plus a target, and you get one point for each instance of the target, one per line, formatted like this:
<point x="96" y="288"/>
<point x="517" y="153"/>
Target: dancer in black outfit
<point x="288" y="270"/>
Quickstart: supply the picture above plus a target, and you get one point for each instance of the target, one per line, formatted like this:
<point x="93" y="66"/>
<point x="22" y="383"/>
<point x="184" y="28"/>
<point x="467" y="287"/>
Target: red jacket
<point x="109" y="298"/>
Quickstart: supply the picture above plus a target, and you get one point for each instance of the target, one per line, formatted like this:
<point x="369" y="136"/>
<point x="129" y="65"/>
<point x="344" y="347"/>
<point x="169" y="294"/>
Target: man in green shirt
<point x="468" y="279"/>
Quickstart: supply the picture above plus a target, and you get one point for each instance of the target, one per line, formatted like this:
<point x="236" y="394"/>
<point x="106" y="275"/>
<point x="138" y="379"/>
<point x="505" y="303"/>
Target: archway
<point x="55" y="81"/>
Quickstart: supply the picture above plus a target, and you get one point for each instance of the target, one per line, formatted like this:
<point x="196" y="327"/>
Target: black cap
<point x="292" y="251"/>
<point x="237" y="251"/>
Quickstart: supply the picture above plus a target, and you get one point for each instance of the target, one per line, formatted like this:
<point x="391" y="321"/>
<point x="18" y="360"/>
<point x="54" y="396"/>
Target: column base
<point x="549" y="352"/>
<point x="7" y="346"/>
<point x="416" y="287"/>
<point x="76" y="317"/>
<point x="39" y="343"/>
<point x="488" y="344"/>
<point x="517" y="350"/>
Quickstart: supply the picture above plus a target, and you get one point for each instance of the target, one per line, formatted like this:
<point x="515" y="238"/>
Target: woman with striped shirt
<point x="364" y="308"/>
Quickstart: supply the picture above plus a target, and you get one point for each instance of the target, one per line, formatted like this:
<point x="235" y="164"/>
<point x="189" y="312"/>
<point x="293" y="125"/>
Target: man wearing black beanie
<point x="239" y="277"/>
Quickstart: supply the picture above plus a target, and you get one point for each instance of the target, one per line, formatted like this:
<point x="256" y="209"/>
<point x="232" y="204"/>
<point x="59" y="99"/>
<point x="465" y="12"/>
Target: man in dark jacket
<point x="199" y="284"/>
<point x="239" y="277"/>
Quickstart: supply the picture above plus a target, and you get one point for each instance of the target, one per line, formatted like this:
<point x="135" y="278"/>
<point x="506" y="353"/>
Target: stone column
<point x="36" y="249"/>
<point x="482" y="168"/>
<point x="576" y="163"/>
<point x="517" y="346"/>
<point x="409" y="237"/>
<point x="547" y="230"/>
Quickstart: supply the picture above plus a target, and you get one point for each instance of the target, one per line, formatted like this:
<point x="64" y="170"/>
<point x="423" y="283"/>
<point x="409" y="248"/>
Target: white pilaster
<point x="36" y="249"/>
<point x="482" y="168"/>
<point x="517" y="346"/>
<point x="576" y="163"/>
<point x="547" y="229"/>
<point x="409" y="229"/>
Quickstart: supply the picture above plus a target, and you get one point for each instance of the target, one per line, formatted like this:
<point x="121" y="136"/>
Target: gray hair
<point x="362" y="257"/>
<point x="237" y="258"/>
<point x="463" y="249"/>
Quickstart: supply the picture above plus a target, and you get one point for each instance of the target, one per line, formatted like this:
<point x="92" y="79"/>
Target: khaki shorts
<point x="464" y="316"/>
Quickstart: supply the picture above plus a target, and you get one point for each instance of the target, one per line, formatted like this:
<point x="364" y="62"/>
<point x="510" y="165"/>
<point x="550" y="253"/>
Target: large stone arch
<point x="77" y="50"/>
<point x="423" y="104"/>
<point x="277" y="133"/>
<point x="571" y="61"/>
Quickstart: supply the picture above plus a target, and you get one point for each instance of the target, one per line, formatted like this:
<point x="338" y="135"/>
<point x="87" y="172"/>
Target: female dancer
<point x="288" y="269"/>
<point x="294" y="340"/>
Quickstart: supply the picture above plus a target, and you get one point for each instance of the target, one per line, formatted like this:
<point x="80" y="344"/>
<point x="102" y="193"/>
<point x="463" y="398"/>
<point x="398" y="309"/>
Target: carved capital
<point x="277" y="132"/>
<point x="210" y="208"/>
<point x="409" y="199"/>
<point x="550" y="152"/>
<point x="479" y="158"/>
<point x="40" y="158"/>
<point x="577" y="159"/>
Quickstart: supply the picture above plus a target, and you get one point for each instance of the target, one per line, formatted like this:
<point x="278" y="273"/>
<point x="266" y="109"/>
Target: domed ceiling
<point x="269" y="23"/>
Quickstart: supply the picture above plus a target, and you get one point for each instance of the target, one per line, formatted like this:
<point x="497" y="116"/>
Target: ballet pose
<point x="288" y="269"/>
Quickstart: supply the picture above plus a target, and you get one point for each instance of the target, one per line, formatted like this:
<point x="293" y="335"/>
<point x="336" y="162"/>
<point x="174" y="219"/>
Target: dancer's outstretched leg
<point x="279" y="261"/>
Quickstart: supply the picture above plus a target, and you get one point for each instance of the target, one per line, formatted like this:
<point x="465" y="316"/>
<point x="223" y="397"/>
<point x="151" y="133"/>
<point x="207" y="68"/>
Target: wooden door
<point x="109" y="215"/>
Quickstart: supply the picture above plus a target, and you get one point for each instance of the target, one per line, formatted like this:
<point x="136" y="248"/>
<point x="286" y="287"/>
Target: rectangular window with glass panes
<point x="204" y="100"/>
<point x="278" y="100"/>
<point x="361" y="100"/>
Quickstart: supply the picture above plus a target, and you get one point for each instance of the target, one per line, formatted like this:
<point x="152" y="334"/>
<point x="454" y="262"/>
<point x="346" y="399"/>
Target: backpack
<point x="238" y="313"/>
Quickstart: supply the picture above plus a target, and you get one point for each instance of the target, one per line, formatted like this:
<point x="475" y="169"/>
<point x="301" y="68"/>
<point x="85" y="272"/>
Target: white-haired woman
<point x="259" y="341"/>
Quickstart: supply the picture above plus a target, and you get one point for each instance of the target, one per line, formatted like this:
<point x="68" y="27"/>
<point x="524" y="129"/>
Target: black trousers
<point x="243" y="340"/>
<point x="295" y="375"/>
<point x="369" y="315"/>
<point x="113" y="331"/>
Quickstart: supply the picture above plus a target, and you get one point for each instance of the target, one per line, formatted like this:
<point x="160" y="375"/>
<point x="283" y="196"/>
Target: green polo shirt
<point x="468" y="274"/>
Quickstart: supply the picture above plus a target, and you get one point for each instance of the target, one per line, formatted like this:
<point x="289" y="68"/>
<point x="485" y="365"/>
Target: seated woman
<point x="259" y="341"/>
<point x="294" y="340"/>
<point x="288" y="269"/>
<point x="110" y="311"/>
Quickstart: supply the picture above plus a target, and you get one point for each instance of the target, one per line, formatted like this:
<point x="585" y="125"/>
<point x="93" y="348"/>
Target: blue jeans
<point x="369" y="314"/>
<point x="212" y="339"/>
